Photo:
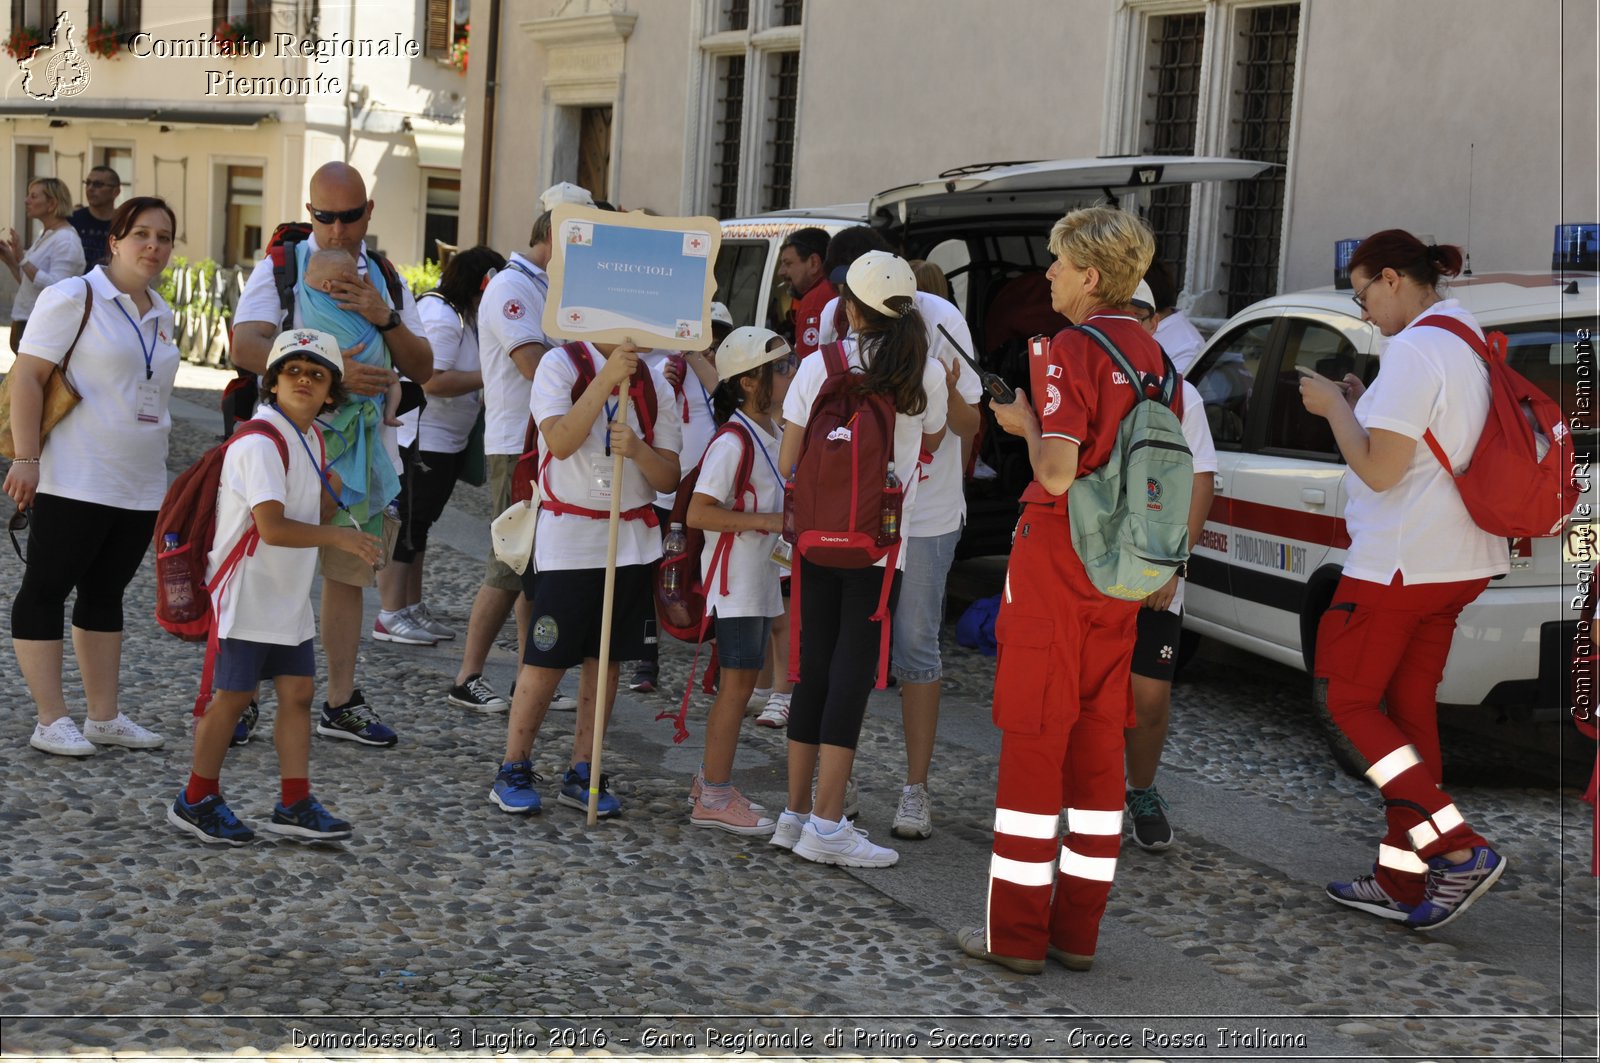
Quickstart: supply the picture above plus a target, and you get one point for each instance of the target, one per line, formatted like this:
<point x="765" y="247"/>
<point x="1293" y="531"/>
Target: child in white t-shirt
<point x="262" y="612"/>
<point x="741" y="519"/>
<point x="565" y="583"/>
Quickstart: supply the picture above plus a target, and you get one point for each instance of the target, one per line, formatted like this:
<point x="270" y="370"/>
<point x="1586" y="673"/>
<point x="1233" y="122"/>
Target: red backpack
<point x="641" y="394"/>
<point x="1508" y="488"/>
<point x="836" y="502"/>
<point x="189" y="511"/>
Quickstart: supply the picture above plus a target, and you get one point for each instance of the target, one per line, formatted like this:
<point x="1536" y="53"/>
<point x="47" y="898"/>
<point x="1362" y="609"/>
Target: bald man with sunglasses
<point x="340" y="213"/>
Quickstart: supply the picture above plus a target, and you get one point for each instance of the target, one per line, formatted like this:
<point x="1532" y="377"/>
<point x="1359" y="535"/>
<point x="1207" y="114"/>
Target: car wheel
<point x="1345" y="754"/>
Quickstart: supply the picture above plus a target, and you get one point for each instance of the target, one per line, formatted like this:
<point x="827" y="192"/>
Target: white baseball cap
<point x="719" y="312"/>
<point x="878" y="276"/>
<point x="320" y="347"/>
<point x="1143" y="297"/>
<point x="746" y="349"/>
<point x="565" y="192"/>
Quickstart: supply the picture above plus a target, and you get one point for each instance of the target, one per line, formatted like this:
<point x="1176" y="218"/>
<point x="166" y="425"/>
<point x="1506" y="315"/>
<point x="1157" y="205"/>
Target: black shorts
<point x="1155" y="651"/>
<point x="566" y="616"/>
<point x="425" y="488"/>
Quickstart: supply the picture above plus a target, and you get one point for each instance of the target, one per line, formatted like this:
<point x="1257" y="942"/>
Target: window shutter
<point x="438" y="29"/>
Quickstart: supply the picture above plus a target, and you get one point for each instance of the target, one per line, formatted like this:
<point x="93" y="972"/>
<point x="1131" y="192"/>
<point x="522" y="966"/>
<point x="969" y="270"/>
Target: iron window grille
<point x="729" y="136"/>
<point x="1178" y="43"/>
<point x="783" y="104"/>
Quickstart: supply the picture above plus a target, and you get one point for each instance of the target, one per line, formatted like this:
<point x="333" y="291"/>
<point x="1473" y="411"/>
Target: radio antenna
<point x="1467" y="272"/>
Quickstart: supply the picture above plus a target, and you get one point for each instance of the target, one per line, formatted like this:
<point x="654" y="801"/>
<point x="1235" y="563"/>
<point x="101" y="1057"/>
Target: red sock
<point x="294" y="791"/>
<point x="200" y="788"/>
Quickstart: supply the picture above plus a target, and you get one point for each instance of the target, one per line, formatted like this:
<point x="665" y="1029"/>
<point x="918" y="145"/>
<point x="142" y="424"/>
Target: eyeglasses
<point x="349" y="217"/>
<point x="785" y="366"/>
<point x="100" y="184"/>
<point x="1360" y="298"/>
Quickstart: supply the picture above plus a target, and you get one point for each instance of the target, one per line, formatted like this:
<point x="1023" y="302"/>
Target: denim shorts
<point x="742" y="641"/>
<point x="919" y="616"/>
<point x="241" y="663"/>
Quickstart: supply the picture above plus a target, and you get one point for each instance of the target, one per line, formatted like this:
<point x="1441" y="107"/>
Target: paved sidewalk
<point x="446" y="924"/>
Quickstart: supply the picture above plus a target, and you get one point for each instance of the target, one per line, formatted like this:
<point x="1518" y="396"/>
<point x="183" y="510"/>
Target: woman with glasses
<point x="1416" y="559"/>
<point x="56" y="255"/>
<point x="96" y="483"/>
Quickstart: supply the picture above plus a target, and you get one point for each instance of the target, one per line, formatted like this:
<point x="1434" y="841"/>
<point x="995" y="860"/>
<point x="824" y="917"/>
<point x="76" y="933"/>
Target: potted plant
<point x="105" y="39"/>
<point x="458" y="48"/>
<point x="235" y="38"/>
<point x="23" y="40"/>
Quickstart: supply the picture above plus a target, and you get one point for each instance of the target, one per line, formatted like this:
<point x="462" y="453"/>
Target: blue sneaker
<point x="1364" y="894"/>
<point x="246" y="725"/>
<point x="355" y="722"/>
<point x="513" y="788"/>
<point x="210" y="820"/>
<point x="307" y="819"/>
<point x="575" y="791"/>
<point x="1452" y="888"/>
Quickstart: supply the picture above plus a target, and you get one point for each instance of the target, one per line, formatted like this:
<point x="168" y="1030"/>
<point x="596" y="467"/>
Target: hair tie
<point x="1433" y="252"/>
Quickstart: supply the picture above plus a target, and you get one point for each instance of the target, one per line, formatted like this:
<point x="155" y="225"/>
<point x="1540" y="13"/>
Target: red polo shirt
<point x="1080" y="395"/>
<point x="808" y="316"/>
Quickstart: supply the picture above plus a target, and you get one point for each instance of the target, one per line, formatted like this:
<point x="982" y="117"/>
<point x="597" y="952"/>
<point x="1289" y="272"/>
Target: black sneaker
<point x="246" y="725"/>
<point x="1148" y="809"/>
<point x="355" y="722"/>
<point x="476" y="694"/>
<point x="644" y="679"/>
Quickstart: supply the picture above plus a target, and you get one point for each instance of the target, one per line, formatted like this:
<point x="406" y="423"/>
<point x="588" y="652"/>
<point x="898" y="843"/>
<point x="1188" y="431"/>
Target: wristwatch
<point x="392" y="323"/>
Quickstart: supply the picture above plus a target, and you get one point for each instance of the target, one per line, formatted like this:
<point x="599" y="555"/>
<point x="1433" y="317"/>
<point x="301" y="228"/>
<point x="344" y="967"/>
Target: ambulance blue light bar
<point x="1577" y="246"/>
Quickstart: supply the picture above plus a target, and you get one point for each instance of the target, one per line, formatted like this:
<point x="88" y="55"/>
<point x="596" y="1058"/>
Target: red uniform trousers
<point x="1388" y="644"/>
<point x="1062" y="697"/>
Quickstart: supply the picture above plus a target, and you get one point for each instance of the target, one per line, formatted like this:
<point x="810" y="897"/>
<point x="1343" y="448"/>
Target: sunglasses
<point x="15" y="526"/>
<point x="100" y="184"/>
<point x="349" y="217"/>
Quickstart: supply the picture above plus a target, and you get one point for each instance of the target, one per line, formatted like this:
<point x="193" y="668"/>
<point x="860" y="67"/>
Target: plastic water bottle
<point x="673" y="547"/>
<point x="177" y="581"/>
<point x="889" y="516"/>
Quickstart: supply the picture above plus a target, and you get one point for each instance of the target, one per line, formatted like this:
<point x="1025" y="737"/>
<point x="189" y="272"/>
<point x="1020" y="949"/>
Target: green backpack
<point x="1130" y="517"/>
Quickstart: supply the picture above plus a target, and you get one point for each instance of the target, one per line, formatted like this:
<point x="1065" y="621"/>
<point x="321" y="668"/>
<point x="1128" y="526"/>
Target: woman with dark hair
<point x="741" y="520"/>
<point x="839" y="639"/>
<point x="433" y="443"/>
<point x="56" y="255"/>
<point x="1416" y="559"/>
<point x="95" y="485"/>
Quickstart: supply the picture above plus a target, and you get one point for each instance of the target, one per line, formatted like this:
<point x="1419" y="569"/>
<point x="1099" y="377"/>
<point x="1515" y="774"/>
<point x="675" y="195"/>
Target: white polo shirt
<point x="574" y="541"/>
<point x="1196" y="433"/>
<point x="268" y="598"/>
<point x="753" y="577"/>
<point x="102" y="452"/>
<point x="447" y="420"/>
<point x="908" y="428"/>
<point x="508" y="317"/>
<point x="55" y="256"/>
<point x="1180" y="339"/>
<point x="943" y="508"/>
<point x="1420" y="528"/>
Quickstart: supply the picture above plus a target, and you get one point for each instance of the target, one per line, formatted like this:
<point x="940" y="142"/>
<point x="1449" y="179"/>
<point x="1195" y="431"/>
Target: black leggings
<point x="425" y="487"/>
<point x="95" y="548"/>
<point x="838" y="652"/>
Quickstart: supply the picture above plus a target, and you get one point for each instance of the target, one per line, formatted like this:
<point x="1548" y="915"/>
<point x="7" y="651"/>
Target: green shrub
<point x="423" y="278"/>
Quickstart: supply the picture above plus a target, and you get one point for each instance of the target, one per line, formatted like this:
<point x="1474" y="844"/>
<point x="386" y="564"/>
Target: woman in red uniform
<point x="1416" y="560"/>
<point x="1062" y="693"/>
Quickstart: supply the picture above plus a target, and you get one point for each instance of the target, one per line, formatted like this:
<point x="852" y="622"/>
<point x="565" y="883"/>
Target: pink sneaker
<point x="739" y="816"/>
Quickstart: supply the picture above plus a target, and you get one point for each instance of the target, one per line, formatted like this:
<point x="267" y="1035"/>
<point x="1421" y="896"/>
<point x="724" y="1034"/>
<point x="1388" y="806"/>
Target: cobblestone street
<point x="446" y="924"/>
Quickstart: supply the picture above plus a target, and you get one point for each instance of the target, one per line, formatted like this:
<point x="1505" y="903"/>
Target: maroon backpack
<point x="836" y="501"/>
<point x="641" y="394"/>
<point x="1508" y="488"/>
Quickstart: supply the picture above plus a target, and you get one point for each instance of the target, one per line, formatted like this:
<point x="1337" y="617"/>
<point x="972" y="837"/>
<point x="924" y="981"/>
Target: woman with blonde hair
<point x="56" y="255"/>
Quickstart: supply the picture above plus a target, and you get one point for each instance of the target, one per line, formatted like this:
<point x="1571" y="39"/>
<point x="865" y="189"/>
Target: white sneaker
<point x="914" y="819"/>
<point x="848" y="847"/>
<point x="564" y="703"/>
<point x="790" y="825"/>
<point x="776" y="714"/>
<point x="62" y="738"/>
<point x="758" y="700"/>
<point x="121" y="732"/>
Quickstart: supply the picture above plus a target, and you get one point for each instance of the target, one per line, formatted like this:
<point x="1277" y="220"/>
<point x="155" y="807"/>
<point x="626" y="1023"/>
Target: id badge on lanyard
<point x="600" y="479"/>
<point x="783" y="553"/>
<point x="147" y="403"/>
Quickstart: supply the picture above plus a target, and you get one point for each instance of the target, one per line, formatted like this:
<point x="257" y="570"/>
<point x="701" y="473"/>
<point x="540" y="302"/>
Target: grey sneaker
<point x="914" y="819"/>
<point x="430" y="623"/>
<point x="403" y="629"/>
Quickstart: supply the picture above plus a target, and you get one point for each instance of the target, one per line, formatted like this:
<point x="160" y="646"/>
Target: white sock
<point x="763" y="692"/>
<point x="824" y="826"/>
<point x="386" y="615"/>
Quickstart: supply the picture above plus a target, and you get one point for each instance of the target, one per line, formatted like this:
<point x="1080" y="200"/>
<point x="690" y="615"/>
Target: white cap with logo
<point x="320" y="347"/>
<point x="564" y="192"/>
<point x="1143" y="297"/>
<point x="746" y="349"/>
<point x="879" y="276"/>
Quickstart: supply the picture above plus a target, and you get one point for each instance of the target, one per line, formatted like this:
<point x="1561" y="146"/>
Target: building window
<point x="126" y="15"/>
<point x="594" y="151"/>
<point x="33" y="162"/>
<point x="34" y="14"/>
<point x="1177" y="43"/>
<point x="729" y="130"/>
<point x="241" y="214"/>
<point x="257" y="14"/>
<point x="1268" y="39"/>
<point x="444" y="25"/>
<point x="119" y="159"/>
<point x="748" y="115"/>
<point x="441" y="215"/>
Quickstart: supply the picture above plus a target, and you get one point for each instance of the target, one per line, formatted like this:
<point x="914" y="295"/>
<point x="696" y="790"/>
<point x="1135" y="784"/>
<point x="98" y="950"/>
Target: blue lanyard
<point x="755" y="440"/>
<point x="538" y="282"/>
<point x="148" y="352"/>
<point x="315" y="464"/>
<point x="705" y="396"/>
